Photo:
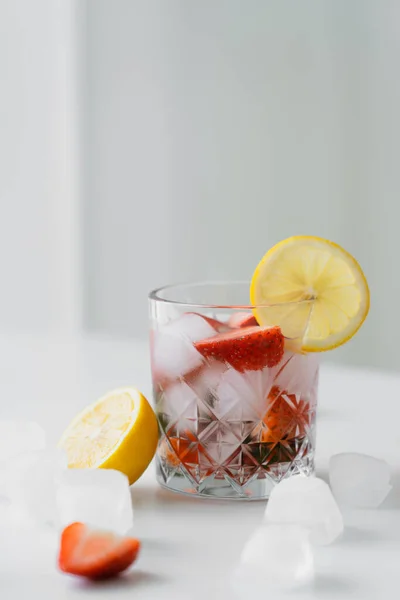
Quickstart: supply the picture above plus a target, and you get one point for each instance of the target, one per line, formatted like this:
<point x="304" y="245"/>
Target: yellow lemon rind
<point x="357" y="321"/>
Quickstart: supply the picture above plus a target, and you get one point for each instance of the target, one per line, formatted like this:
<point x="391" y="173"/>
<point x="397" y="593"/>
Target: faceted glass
<point x="226" y="433"/>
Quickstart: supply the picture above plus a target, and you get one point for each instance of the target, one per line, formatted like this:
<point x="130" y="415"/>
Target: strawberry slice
<point x="95" y="554"/>
<point x="242" y="319"/>
<point x="248" y="349"/>
<point x="219" y="326"/>
<point x="286" y="419"/>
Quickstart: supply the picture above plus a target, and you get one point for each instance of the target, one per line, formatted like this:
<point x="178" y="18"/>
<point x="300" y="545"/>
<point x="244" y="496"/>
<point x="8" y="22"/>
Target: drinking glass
<point x="223" y="432"/>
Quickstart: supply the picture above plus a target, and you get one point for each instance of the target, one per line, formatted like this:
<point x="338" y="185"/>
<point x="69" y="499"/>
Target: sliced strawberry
<point x="186" y="451"/>
<point x="287" y="418"/>
<point x="242" y="319"/>
<point x="95" y="554"/>
<point x="219" y="326"/>
<point x="249" y="349"/>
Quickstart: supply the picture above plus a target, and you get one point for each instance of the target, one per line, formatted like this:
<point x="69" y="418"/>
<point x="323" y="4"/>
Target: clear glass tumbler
<point x="224" y="432"/>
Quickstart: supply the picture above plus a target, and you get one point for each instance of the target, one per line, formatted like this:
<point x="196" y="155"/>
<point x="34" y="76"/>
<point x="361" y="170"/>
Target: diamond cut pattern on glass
<point x="240" y="429"/>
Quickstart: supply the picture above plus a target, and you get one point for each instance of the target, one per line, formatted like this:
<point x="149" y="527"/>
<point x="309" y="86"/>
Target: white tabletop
<point x="191" y="546"/>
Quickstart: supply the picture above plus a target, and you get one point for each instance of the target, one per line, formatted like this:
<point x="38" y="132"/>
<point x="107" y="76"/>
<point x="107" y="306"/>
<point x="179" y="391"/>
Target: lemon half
<point x="313" y="289"/>
<point x="119" y="431"/>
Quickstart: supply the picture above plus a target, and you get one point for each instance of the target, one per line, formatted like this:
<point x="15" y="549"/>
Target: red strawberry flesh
<point x="219" y="326"/>
<point x="95" y="554"/>
<point x="246" y="349"/>
<point x="242" y="319"/>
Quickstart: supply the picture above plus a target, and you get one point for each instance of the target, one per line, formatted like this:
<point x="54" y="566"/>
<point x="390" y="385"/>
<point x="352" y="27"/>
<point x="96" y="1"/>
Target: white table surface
<point x="190" y="546"/>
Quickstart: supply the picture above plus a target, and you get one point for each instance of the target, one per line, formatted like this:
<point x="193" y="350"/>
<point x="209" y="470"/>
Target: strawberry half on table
<point x="247" y="349"/>
<point x="95" y="554"/>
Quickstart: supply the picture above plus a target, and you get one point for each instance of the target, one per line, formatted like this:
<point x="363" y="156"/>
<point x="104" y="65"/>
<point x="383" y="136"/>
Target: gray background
<point x="150" y="141"/>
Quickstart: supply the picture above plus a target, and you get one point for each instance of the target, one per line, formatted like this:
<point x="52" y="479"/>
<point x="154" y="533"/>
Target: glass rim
<point x="154" y="295"/>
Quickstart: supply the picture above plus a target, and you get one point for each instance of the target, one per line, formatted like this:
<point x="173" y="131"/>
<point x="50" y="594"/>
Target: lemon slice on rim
<point x="313" y="289"/>
<point x="119" y="431"/>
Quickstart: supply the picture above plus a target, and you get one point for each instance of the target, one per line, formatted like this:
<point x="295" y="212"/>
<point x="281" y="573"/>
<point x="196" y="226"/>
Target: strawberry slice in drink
<point x="242" y="319"/>
<point x="287" y="418"/>
<point x="95" y="554"/>
<point x="248" y="349"/>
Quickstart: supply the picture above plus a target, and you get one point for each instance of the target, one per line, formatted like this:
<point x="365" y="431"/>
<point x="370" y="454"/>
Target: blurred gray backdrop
<point x="182" y="139"/>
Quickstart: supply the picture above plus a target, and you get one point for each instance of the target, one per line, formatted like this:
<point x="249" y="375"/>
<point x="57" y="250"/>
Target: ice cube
<point x="246" y="392"/>
<point x="98" y="497"/>
<point x="18" y="437"/>
<point x="306" y="501"/>
<point x="242" y="319"/>
<point x="192" y="326"/>
<point x="173" y="353"/>
<point x="359" y="480"/>
<point x="178" y="401"/>
<point x="299" y="375"/>
<point x="204" y="381"/>
<point x="276" y="555"/>
<point x="29" y="482"/>
<point x="180" y="398"/>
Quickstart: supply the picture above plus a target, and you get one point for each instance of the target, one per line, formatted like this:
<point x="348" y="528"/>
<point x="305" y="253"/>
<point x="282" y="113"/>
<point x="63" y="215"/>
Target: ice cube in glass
<point x="173" y="353"/>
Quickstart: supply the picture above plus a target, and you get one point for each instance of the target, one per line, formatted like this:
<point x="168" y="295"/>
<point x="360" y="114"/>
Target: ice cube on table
<point x="359" y="480"/>
<point x="29" y="483"/>
<point x="173" y="353"/>
<point x="18" y="437"/>
<point x="306" y="501"/>
<point x="276" y="555"/>
<point x="98" y="497"/>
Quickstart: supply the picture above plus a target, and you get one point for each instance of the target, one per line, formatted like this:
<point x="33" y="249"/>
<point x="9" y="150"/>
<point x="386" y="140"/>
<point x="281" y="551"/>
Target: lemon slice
<point x="119" y="431"/>
<point x="313" y="289"/>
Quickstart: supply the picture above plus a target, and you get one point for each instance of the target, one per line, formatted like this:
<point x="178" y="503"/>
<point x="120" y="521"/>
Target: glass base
<point x="220" y="485"/>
